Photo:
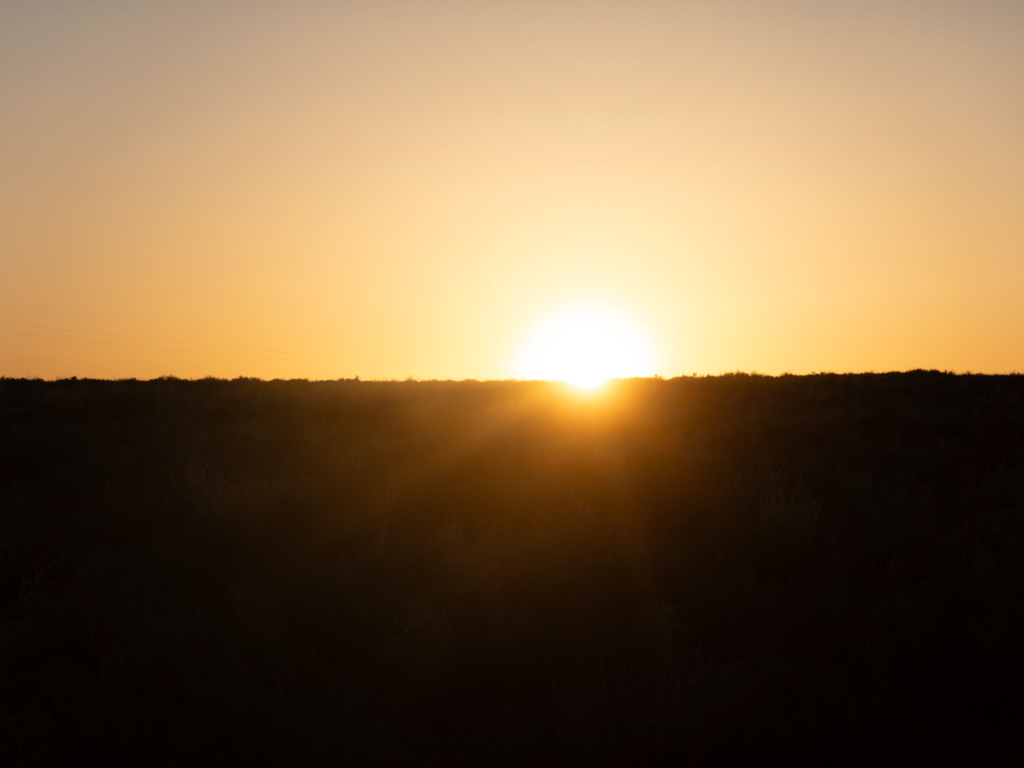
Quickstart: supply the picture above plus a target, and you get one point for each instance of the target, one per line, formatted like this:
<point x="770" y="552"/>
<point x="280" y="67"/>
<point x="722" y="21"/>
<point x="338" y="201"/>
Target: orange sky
<point x="408" y="188"/>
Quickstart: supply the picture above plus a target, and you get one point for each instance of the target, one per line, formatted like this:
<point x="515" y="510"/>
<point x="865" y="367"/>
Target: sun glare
<point x="586" y="347"/>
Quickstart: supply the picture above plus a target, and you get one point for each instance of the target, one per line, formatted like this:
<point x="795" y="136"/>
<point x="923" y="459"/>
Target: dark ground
<point x="823" y="570"/>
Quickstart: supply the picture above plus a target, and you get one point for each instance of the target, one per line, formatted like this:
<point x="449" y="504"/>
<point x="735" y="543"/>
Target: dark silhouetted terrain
<point x="735" y="570"/>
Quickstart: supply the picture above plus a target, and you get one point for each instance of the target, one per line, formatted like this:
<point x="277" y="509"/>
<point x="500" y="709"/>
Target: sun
<point x="586" y="347"/>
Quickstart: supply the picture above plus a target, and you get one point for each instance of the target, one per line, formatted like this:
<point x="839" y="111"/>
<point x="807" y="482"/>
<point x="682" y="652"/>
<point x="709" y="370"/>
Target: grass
<point x="742" y="569"/>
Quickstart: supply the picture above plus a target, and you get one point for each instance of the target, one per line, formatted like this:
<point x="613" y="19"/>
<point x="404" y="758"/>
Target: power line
<point x="337" y="358"/>
<point x="383" y="364"/>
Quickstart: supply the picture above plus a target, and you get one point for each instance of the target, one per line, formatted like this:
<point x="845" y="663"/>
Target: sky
<point x="389" y="189"/>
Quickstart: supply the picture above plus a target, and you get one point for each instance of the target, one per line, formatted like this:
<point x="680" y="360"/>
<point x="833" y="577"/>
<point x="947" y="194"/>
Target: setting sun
<point x="468" y="383"/>
<point x="586" y="347"/>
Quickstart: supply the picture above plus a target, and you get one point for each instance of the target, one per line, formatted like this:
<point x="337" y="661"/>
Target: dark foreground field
<point x="733" y="570"/>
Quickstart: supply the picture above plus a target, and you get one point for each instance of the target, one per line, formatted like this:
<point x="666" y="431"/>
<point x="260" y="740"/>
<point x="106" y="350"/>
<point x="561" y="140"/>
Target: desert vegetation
<point x="741" y="569"/>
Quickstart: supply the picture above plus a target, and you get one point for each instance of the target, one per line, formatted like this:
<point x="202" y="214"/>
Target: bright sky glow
<point x="586" y="347"/>
<point x="388" y="189"/>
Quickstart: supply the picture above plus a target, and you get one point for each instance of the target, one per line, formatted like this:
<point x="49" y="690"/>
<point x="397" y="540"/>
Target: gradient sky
<point x="408" y="188"/>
